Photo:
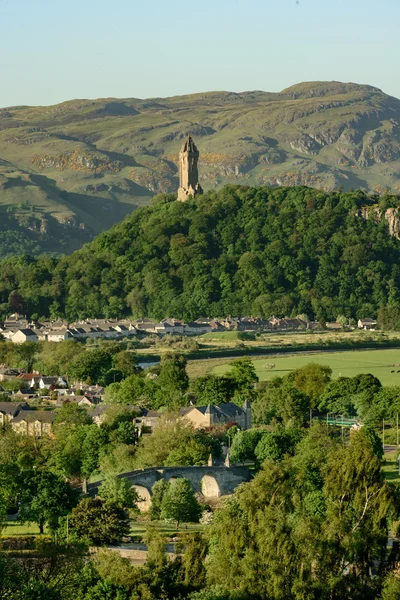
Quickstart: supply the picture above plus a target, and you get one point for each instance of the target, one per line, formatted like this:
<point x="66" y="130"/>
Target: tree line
<point x="241" y="251"/>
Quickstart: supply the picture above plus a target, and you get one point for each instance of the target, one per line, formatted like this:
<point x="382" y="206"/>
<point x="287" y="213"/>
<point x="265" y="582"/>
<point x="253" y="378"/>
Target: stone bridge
<point x="211" y="481"/>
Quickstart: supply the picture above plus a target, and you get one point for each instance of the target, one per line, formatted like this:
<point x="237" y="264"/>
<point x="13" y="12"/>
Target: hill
<point x="238" y="251"/>
<point x="68" y="172"/>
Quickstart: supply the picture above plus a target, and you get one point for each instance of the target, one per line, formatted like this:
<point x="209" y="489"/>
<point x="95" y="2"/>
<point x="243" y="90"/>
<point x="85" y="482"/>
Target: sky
<point x="51" y="51"/>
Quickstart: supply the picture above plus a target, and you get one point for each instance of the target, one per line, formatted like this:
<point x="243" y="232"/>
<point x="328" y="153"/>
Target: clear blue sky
<point x="54" y="50"/>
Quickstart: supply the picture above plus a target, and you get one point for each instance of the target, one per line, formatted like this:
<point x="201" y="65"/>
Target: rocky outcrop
<point x="76" y="161"/>
<point x="391" y="215"/>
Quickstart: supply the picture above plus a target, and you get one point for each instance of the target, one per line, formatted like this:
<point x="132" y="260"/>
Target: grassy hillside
<point x="238" y="251"/>
<point x="69" y="171"/>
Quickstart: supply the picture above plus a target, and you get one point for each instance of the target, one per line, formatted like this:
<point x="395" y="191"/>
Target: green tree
<point x="119" y="492"/>
<point x="243" y="373"/>
<point x="179" y="503"/>
<point x="125" y="362"/>
<point x="90" y="366"/>
<point x="173" y="380"/>
<point x="275" y="444"/>
<point x="312" y="380"/>
<point x="25" y="354"/>
<point x="72" y="415"/>
<point x="244" y="445"/>
<point x="99" y="522"/>
<point x="211" y="389"/>
<point x="158" y="490"/>
<point x="51" y="498"/>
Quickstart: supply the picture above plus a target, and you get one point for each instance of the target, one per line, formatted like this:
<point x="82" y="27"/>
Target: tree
<point x="119" y="492"/>
<point x="244" y="445"/>
<point x="173" y="380"/>
<point x="91" y="365"/>
<point x="25" y="354"/>
<point x="275" y="444"/>
<point x="72" y="415"/>
<point x="99" y="521"/>
<point x="125" y="362"/>
<point x="135" y="389"/>
<point x="158" y="491"/>
<point x="211" y="389"/>
<point x="179" y="503"/>
<point x="175" y="441"/>
<point x="51" y="498"/>
<point x="312" y="380"/>
<point x="243" y="373"/>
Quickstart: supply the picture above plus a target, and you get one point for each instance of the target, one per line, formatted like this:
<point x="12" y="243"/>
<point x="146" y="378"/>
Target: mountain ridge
<point x="71" y="170"/>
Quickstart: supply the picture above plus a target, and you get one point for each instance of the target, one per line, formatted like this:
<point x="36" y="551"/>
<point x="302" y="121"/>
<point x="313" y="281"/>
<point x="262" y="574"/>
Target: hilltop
<point x="237" y="251"/>
<point x="69" y="171"/>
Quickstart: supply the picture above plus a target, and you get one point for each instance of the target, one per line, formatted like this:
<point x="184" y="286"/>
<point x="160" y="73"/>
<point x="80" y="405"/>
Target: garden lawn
<point x="346" y="364"/>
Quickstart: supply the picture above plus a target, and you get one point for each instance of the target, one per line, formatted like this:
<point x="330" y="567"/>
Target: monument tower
<point x="188" y="172"/>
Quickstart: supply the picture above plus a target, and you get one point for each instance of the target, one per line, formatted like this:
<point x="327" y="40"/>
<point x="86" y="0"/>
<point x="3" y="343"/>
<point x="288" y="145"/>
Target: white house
<point x="24" y="335"/>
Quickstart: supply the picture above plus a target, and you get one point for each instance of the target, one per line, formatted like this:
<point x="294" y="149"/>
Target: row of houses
<point x="18" y="330"/>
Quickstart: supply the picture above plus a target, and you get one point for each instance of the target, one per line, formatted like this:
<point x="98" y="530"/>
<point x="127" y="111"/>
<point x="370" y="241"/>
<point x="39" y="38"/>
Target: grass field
<point x="347" y="364"/>
<point x="14" y="528"/>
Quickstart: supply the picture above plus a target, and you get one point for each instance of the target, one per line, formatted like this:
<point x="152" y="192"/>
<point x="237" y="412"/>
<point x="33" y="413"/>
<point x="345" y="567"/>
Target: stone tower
<point x="188" y="172"/>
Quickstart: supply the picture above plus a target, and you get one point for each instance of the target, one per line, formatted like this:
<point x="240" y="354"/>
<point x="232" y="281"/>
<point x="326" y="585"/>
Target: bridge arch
<point x="145" y="497"/>
<point x="210" y="486"/>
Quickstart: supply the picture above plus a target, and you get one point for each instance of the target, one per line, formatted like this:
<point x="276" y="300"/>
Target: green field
<point x="346" y="364"/>
<point x="15" y="528"/>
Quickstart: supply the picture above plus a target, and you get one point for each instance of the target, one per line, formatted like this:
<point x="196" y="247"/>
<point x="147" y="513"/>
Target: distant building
<point x="9" y="410"/>
<point x="367" y="324"/>
<point x="24" y="335"/>
<point x="206" y="416"/>
<point x="34" y="422"/>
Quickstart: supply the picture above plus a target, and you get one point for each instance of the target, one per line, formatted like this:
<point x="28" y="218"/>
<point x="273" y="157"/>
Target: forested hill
<point x="257" y="251"/>
<point x="70" y="171"/>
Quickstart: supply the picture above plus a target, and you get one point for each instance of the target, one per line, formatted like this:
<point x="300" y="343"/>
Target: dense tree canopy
<point x="236" y="251"/>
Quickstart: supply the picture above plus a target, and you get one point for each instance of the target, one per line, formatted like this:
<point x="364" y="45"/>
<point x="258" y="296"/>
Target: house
<point x="100" y="412"/>
<point x="58" y="335"/>
<point x="145" y="326"/>
<point x="9" y="410"/>
<point x="24" y="335"/>
<point x="48" y="382"/>
<point x="33" y="422"/>
<point x="82" y="400"/>
<point x="8" y="374"/>
<point x="334" y="326"/>
<point x="15" y="321"/>
<point x="207" y="416"/>
<point x="367" y="324"/>
<point x="195" y="328"/>
<point x="27" y="377"/>
<point x="150" y="418"/>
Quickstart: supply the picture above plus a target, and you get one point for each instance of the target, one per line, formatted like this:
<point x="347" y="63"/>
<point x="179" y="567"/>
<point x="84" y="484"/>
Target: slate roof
<point x="30" y="416"/>
<point x="11" y="408"/>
